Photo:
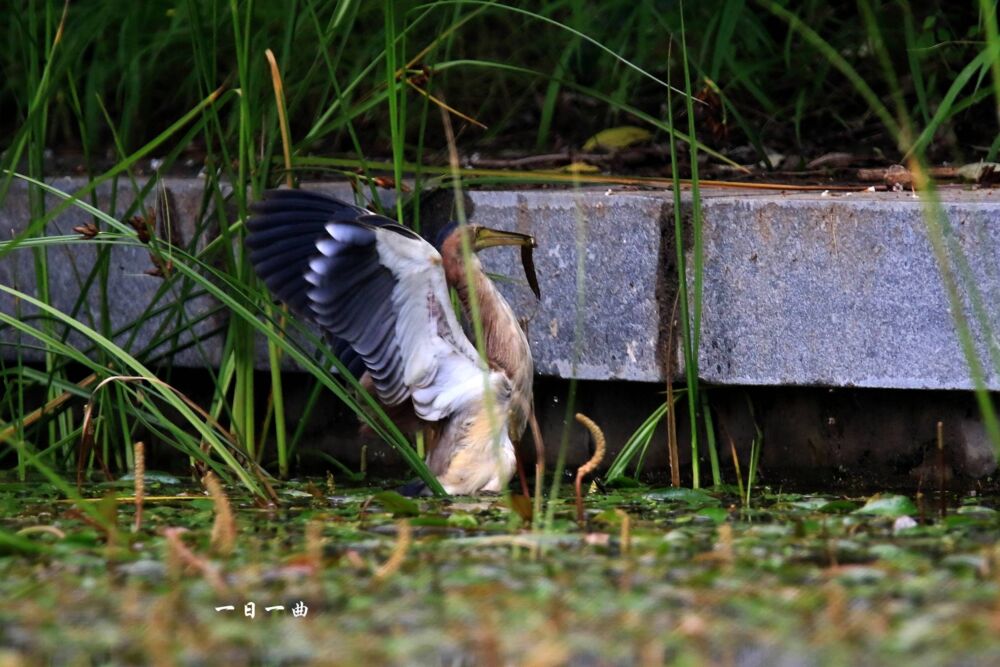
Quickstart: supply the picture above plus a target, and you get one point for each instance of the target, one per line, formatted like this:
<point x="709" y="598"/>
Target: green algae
<point x="655" y="575"/>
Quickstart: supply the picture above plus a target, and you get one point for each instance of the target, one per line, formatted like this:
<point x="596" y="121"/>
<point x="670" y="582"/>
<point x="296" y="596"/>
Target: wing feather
<point x="283" y="230"/>
<point x="377" y="289"/>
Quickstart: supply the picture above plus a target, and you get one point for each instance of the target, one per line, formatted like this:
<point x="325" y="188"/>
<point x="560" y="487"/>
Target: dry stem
<point x="591" y="465"/>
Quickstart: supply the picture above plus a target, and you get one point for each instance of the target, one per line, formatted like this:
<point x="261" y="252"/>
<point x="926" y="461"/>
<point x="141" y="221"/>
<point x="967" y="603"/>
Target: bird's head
<point x="449" y="244"/>
<point x="480" y="237"/>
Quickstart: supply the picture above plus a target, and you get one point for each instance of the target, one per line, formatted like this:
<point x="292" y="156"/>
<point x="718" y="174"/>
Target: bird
<point x="380" y="293"/>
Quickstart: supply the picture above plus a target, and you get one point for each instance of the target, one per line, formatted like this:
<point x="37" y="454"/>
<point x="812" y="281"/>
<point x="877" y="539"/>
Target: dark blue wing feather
<point x="351" y="298"/>
<point x="348" y="293"/>
<point x="283" y="230"/>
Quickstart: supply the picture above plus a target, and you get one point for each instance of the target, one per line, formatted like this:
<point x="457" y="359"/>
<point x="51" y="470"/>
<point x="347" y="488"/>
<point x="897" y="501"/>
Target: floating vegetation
<point x="652" y="575"/>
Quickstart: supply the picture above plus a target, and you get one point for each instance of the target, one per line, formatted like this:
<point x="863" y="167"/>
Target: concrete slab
<point x="846" y="291"/>
<point x="131" y="292"/>
<point x="800" y="289"/>
<point x="599" y="252"/>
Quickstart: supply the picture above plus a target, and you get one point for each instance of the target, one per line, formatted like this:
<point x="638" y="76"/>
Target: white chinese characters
<point x="299" y="609"/>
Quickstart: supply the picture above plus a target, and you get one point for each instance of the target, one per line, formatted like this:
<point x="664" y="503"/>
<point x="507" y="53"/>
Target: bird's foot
<point x="414" y="489"/>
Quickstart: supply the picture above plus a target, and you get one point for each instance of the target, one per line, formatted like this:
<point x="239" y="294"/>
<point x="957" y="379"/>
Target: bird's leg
<point x="431" y="436"/>
<point x="519" y="459"/>
<point x="536" y="435"/>
<point x="415" y="489"/>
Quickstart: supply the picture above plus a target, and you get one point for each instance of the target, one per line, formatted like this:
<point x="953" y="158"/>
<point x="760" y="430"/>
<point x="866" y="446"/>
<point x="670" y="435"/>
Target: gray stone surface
<point x="800" y="289"/>
<point x="130" y="290"/>
<point x="618" y="278"/>
<point x="845" y="291"/>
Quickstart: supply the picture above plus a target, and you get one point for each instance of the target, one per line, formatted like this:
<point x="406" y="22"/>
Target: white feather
<point x="441" y="366"/>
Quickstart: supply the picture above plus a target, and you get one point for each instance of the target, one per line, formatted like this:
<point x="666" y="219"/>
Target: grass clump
<point x="253" y="94"/>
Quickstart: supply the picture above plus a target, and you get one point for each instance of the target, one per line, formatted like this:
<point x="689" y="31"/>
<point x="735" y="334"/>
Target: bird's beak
<point x="487" y="238"/>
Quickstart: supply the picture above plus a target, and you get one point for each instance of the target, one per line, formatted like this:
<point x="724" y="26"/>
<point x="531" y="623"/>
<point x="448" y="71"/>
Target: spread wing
<point x="376" y="287"/>
<point x="284" y="228"/>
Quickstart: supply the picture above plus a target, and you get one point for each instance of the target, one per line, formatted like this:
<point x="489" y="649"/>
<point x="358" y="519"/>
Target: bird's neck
<point x="494" y="312"/>
<point x="506" y="344"/>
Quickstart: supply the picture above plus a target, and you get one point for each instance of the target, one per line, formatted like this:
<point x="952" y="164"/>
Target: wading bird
<point x="380" y="293"/>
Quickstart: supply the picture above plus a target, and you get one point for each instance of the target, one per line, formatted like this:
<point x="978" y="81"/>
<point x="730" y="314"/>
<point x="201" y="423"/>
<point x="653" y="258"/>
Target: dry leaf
<point x="979" y="172"/>
<point x="521" y="506"/>
<point x="579" y="168"/>
<point x="618" y="137"/>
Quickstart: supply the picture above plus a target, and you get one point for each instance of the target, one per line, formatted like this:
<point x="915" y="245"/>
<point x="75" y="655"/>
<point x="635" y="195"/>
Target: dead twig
<point x="38" y="413"/>
<point x="279" y="101"/>
<point x="224" y="527"/>
<point x="536" y="435"/>
<point x="591" y="465"/>
<point x="673" y="451"/>
<point x="398" y="555"/>
<point x="50" y="530"/>
<point x="624" y="156"/>
<point x="942" y="476"/>
<point x="86" y="439"/>
<point x="140" y="483"/>
<point x="626" y="530"/>
<point x="179" y="555"/>
<point x="314" y="545"/>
